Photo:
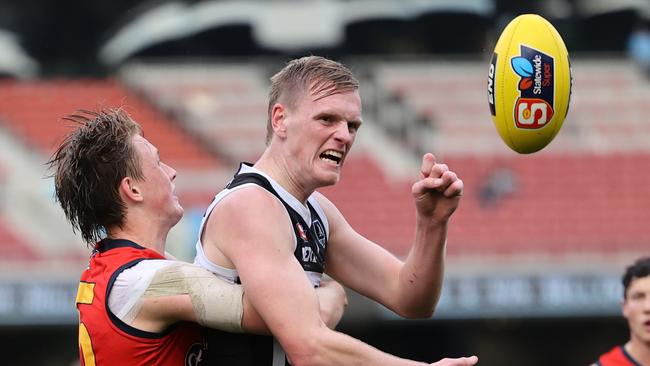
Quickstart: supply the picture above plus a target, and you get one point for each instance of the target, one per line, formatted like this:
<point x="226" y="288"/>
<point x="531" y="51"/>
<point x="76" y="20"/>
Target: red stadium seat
<point x="14" y="247"/>
<point x="560" y="205"/>
<point x="34" y="110"/>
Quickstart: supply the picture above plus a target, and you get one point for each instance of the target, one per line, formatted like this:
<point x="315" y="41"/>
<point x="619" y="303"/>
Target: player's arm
<point x="258" y="241"/>
<point x="183" y="291"/>
<point x="409" y="288"/>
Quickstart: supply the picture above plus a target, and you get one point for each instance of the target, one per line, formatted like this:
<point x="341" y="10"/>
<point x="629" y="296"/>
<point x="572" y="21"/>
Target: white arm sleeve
<point x="125" y="298"/>
<point x="216" y="303"/>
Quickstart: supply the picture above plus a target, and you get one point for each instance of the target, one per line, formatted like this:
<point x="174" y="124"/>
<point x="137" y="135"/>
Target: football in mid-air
<point x="529" y="83"/>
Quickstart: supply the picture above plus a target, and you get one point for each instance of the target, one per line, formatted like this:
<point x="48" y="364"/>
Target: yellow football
<point x="529" y="83"/>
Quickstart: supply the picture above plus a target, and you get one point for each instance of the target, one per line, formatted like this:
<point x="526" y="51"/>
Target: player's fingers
<point x="438" y="170"/>
<point x="469" y="361"/>
<point x="427" y="184"/>
<point x="428" y="161"/>
<point x="448" y="177"/>
<point x="421" y="186"/>
<point x="454" y="189"/>
<point x="463" y="361"/>
<point x="448" y="184"/>
<point x="440" y="183"/>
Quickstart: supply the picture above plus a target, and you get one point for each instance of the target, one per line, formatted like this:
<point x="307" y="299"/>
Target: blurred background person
<point x="636" y="310"/>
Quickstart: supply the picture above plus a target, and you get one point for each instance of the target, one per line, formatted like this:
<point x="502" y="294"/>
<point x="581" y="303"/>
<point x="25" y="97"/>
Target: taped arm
<point x="183" y="291"/>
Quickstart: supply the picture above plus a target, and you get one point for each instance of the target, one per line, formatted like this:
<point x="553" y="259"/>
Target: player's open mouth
<point x="332" y="156"/>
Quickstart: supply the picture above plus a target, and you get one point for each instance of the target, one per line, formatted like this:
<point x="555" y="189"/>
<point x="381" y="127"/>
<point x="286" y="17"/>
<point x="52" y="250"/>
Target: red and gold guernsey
<point x="105" y="340"/>
<point x="617" y="356"/>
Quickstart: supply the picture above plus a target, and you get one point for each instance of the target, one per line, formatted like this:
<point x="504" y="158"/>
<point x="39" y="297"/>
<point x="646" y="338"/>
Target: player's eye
<point x="353" y="127"/>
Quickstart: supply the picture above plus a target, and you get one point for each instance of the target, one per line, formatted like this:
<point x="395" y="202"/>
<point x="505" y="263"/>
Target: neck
<point x="153" y="240"/>
<point x="280" y="171"/>
<point x="639" y="350"/>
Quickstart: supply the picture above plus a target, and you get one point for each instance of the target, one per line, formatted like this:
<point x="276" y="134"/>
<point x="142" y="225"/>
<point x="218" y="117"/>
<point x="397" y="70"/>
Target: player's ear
<point x="279" y="120"/>
<point x="130" y="191"/>
<point x="624" y="308"/>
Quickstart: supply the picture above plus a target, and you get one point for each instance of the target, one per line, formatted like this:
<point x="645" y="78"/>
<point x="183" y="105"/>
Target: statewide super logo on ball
<point x="529" y="83"/>
<point x="534" y="107"/>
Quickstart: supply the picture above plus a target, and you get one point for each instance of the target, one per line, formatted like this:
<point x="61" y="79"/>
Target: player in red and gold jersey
<point x="636" y="309"/>
<point x="105" y="339"/>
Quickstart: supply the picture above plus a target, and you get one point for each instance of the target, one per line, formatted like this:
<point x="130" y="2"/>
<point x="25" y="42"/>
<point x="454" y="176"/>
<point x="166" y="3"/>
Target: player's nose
<point x="342" y="133"/>
<point x="171" y="172"/>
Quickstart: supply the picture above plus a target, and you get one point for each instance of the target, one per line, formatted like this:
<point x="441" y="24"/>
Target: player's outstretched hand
<point x="463" y="361"/>
<point x="438" y="191"/>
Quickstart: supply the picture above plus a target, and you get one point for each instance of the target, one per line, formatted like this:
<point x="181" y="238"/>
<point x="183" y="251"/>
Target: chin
<point x="328" y="177"/>
<point x="330" y="181"/>
<point x="178" y="214"/>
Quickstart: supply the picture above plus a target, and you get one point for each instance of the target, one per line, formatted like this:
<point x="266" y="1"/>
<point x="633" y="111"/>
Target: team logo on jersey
<point x="534" y="106"/>
<point x="301" y="231"/>
<point x="195" y="356"/>
<point x="320" y="232"/>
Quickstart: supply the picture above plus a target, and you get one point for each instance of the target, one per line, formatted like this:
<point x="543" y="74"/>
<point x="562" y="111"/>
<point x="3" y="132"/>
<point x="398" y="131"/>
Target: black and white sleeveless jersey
<point x="311" y="231"/>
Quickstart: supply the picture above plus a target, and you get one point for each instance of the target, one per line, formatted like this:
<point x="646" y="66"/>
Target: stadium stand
<point x="536" y="248"/>
<point x="31" y="117"/>
<point x="570" y="209"/>
<point x="605" y="111"/>
<point x="34" y="227"/>
<point x="13" y="246"/>
<point x="34" y="109"/>
<point x="570" y="212"/>
<point x="454" y="104"/>
<point x="576" y="199"/>
<point x="224" y="104"/>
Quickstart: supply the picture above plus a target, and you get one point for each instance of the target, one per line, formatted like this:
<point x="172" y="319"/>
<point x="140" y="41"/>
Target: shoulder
<point x="615" y="356"/>
<point x="132" y="283"/>
<point x="249" y="195"/>
<point x="320" y="198"/>
<point x="246" y="203"/>
<point x="142" y="271"/>
<point x="335" y="218"/>
<point x="328" y="206"/>
<point x="246" y="215"/>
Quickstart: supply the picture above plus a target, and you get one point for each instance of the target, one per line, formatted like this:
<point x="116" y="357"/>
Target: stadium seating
<point x="32" y="114"/>
<point x="556" y="201"/>
<point x="34" y="111"/>
<point x="557" y="205"/>
<point x="13" y="247"/>
<point x="559" y="202"/>
<point x="224" y="104"/>
<point x="576" y="197"/>
<point x="605" y="113"/>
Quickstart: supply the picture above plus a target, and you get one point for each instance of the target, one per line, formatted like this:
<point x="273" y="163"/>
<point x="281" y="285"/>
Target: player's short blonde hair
<point x="320" y="76"/>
